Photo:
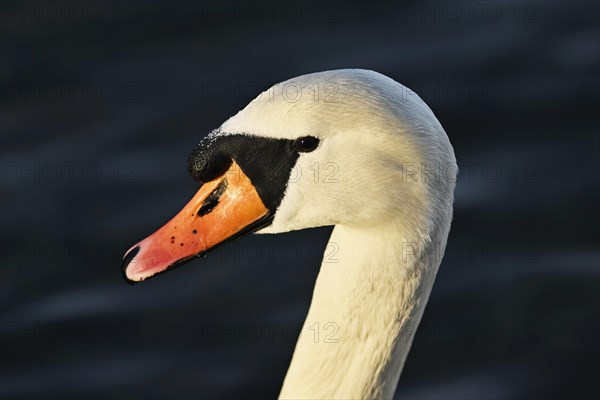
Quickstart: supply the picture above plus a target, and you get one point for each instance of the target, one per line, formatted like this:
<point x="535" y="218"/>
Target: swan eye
<point x="306" y="144"/>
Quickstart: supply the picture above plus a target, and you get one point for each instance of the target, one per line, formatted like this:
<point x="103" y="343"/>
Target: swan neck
<point x="367" y="302"/>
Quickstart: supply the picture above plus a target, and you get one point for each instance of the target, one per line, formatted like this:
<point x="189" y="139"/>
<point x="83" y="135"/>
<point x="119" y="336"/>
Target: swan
<point x="388" y="192"/>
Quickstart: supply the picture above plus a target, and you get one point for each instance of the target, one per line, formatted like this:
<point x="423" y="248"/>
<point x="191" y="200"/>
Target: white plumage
<point x="386" y="181"/>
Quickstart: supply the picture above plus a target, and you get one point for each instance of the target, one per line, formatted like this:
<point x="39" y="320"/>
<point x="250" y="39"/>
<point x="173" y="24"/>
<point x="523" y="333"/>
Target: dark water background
<point x="102" y="102"/>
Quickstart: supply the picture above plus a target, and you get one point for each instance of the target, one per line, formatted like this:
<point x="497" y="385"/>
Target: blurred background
<point x="103" y="101"/>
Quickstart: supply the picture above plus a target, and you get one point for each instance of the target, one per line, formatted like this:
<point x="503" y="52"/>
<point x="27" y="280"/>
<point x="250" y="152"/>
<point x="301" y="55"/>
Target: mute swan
<point x="389" y="193"/>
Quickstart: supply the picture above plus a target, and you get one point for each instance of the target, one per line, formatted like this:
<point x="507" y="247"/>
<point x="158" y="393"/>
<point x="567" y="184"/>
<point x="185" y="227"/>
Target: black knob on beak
<point x="207" y="161"/>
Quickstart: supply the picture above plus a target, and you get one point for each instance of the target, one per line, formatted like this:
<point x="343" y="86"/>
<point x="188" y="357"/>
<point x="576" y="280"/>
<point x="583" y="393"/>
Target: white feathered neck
<point x="369" y="298"/>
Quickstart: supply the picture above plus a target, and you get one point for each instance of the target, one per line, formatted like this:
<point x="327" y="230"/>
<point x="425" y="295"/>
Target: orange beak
<point x="222" y="209"/>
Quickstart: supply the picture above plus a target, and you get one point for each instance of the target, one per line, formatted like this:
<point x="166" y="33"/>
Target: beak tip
<point x="129" y="256"/>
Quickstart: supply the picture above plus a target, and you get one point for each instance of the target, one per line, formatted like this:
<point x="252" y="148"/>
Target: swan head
<point x="344" y="147"/>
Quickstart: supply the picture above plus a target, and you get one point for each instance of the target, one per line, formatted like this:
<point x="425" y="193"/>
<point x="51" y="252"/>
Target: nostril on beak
<point x="127" y="259"/>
